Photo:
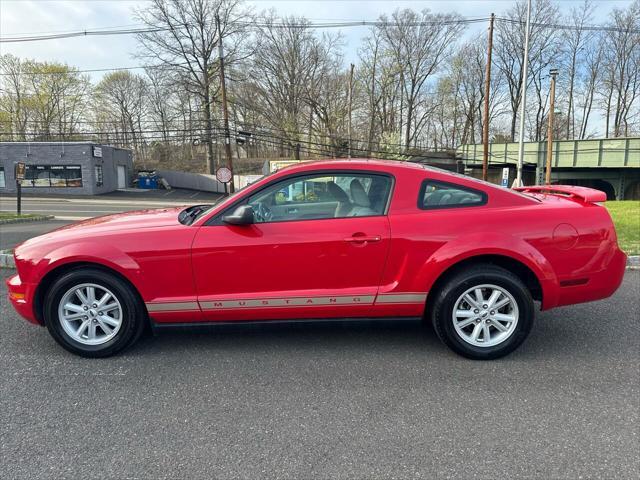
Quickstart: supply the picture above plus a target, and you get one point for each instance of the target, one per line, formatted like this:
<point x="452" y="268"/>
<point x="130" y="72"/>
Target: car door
<point x="316" y="250"/>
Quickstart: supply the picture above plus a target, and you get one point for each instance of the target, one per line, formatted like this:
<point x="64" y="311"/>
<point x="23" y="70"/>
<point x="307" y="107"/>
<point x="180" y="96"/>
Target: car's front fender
<point x="76" y="252"/>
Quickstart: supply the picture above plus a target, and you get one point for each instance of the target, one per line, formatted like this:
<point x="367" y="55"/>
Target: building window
<point x="99" y="179"/>
<point x="57" y="176"/>
<point x="53" y="176"/>
<point x="73" y="175"/>
<point x="36" y="176"/>
<point x="2" y="179"/>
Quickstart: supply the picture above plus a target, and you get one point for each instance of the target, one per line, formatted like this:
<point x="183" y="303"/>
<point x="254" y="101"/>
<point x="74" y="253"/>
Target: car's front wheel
<point x="92" y="312"/>
<point x="483" y="312"/>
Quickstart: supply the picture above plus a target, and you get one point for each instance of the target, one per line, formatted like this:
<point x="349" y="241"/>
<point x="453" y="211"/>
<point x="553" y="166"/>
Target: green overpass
<point x="612" y="165"/>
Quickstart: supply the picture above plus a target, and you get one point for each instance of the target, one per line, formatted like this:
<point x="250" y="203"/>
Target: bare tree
<point x="419" y="43"/>
<point x="291" y="68"/>
<point x="544" y="48"/>
<point x="622" y="68"/>
<point x="185" y="38"/>
<point x="122" y="104"/>
<point x="55" y="98"/>
<point x="51" y="97"/>
<point x="12" y="92"/>
<point x="590" y="79"/>
<point x="576" y="40"/>
<point x="162" y="100"/>
<point x="370" y="55"/>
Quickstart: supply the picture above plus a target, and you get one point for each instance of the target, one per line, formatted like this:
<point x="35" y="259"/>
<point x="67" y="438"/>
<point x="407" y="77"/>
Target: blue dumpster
<point x="147" y="180"/>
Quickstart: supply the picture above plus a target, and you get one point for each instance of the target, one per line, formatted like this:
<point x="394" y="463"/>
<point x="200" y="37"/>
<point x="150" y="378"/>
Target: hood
<point x="109" y="224"/>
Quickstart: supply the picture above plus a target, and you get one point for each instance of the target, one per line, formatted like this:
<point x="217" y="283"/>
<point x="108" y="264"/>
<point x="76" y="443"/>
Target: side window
<point x="435" y="194"/>
<point x="322" y="196"/>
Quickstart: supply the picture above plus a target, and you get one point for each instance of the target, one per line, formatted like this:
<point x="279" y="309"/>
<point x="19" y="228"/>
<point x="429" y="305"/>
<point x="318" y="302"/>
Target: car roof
<point x="354" y="163"/>
<point x="440" y="174"/>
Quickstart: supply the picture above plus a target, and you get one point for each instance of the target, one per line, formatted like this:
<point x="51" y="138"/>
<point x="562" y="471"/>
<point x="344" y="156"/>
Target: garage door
<point x="122" y="176"/>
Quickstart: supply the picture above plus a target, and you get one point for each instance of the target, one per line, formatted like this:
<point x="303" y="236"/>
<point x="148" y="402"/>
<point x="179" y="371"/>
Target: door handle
<point x="363" y="238"/>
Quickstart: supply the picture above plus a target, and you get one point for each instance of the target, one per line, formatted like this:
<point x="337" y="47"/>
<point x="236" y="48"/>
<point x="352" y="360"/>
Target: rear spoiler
<point x="584" y="194"/>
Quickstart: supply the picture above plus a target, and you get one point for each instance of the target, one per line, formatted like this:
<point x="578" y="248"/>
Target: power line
<point x="72" y="70"/>
<point x="278" y="24"/>
<point x="254" y="128"/>
<point x="82" y="33"/>
<point x="262" y="132"/>
<point x="303" y="25"/>
<point x="557" y="26"/>
<point x="217" y="132"/>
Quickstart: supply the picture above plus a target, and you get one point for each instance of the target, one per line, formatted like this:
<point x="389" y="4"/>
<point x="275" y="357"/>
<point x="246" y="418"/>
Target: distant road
<point x="14" y="233"/>
<point x="69" y="209"/>
<point x="72" y="208"/>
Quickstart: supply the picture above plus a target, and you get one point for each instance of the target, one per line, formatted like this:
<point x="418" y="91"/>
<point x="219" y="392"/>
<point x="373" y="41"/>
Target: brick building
<point x="81" y="168"/>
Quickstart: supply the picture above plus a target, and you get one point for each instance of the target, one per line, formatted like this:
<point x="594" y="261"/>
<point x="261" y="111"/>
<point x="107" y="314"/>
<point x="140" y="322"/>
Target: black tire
<point x="455" y="286"/>
<point x="133" y="312"/>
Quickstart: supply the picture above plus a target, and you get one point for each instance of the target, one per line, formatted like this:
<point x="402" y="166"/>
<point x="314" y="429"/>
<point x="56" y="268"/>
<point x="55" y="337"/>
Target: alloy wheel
<point x="90" y="314"/>
<point x="485" y="315"/>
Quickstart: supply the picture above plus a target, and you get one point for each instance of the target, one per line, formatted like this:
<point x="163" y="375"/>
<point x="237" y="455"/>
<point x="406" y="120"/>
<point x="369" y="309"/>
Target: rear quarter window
<point x="435" y="194"/>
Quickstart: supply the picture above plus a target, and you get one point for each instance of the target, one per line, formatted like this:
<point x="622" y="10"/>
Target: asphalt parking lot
<point x="328" y="402"/>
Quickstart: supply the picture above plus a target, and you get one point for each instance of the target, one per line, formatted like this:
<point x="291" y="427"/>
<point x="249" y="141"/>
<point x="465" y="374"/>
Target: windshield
<point x="191" y="214"/>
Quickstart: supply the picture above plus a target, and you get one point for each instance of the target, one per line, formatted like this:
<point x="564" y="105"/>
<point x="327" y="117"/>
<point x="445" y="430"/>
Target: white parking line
<point x="29" y="210"/>
<point x="71" y="219"/>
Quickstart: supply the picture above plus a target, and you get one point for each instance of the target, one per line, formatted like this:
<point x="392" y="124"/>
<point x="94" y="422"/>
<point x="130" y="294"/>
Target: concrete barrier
<point x="192" y="181"/>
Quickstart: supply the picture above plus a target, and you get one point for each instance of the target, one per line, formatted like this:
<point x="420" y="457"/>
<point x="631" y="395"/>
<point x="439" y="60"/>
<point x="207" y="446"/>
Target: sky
<point x="19" y="17"/>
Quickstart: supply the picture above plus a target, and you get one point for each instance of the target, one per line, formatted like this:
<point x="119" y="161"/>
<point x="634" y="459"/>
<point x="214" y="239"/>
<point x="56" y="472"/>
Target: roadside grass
<point x="626" y="217"/>
<point x="13" y="216"/>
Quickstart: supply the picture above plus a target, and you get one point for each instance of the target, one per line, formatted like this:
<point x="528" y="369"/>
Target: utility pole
<point x="487" y="91"/>
<point x="523" y="101"/>
<point x="552" y="100"/>
<point x="225" y="109"/>
<point x="350" y="106"/>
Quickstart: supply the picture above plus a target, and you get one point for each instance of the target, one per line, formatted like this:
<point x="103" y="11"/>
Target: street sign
<point x="223" y="175"/>
<point x="505" y="177"/>
<point x="21" y="169"/>
<point x="97" y="152"/>
<point x="275" y="165"/>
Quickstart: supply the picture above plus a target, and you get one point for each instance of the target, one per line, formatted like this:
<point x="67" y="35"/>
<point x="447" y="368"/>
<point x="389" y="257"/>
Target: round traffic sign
<point x="223" y="175"/>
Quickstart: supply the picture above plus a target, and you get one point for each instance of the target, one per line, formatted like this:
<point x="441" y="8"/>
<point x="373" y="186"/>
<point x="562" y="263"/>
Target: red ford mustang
<point x="357" y="239"/>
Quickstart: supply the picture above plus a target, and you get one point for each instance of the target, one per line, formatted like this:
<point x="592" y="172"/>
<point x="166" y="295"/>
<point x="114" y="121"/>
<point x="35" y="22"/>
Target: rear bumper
<point x="596" y="285"/>
<point x="21" y="296"/>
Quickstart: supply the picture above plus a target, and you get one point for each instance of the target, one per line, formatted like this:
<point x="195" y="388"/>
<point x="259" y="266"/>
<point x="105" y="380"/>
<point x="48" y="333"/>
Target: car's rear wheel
<point x="484" y="312"/>
<point x="93" y="313"/>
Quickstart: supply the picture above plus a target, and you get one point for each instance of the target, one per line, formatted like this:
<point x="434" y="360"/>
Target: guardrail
<point x="597" y="153"/>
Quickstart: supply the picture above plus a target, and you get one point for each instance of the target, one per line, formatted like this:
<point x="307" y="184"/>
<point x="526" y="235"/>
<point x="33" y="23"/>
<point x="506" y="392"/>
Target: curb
<point x="37" y="218"/>
<point x="7" y="260"/>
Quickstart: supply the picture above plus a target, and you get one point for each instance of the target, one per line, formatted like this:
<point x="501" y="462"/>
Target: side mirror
<point x="243" y="215"/>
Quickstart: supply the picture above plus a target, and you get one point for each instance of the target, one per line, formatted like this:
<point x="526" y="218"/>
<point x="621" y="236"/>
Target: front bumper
<point x="21" y="296"/>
